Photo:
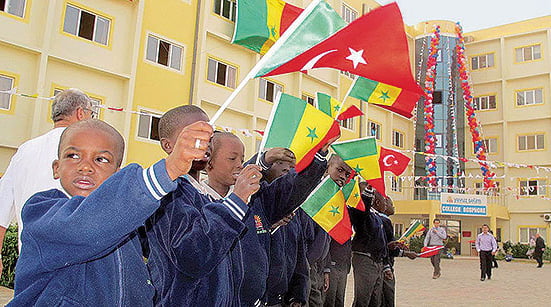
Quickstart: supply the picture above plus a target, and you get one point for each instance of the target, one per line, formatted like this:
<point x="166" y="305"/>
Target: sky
<point x="473" y="14"/>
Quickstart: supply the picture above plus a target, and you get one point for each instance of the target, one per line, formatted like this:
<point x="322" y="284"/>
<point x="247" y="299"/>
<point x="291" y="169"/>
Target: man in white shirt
<point x="30" y="169"/>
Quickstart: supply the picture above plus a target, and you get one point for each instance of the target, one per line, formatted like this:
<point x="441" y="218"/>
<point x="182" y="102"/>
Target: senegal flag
<point x="387" y="96"/>
<point x="326" y="206"/>
<point x="352" y="195"/>
<point x="414" y="228"/>
<point x="362" y="156"/>
<point x="299" y="126"/>
<point x="260" y="23"/>
<point x="328" y="105"/>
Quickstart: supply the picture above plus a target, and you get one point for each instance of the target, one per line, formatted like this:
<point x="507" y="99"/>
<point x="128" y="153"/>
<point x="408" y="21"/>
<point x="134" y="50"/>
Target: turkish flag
<point x="429" y="251"/>
<point x="393" y="161"/>
<point x="373" y="46"/>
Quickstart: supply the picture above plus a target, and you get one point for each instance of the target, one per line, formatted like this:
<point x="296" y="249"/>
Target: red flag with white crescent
<point x="393" y="161"/>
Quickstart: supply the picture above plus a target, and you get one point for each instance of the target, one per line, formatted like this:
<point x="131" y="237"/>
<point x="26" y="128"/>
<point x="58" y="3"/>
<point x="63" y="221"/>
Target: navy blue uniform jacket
<point x="85" y="251"/>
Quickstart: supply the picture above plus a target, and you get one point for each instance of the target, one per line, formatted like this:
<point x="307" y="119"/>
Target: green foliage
<point x="547" y="254"/>
<point x="517" y="250"/>
<point x="10" y="253"/>
<point x="416" y="243"/>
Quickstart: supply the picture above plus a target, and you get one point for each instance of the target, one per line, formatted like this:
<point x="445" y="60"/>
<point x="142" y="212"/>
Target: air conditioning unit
<point x="547" y="217"/>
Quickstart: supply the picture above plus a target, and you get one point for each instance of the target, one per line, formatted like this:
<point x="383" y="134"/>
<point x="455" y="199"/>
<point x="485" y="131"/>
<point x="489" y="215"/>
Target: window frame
<point x="152" y="113"/>
<point x="12" y="98"/>
<point x="523" y="48"/>
<point x="348" y="123"/>
<point x="306" y="97"/>
<point x="525" y="91"/>
<point x="219" y="61"/>
<point x="396" y="184"/>
<point x="528" y="228"/>
<point x="541" y="184"/>
<point x="5" y="11"/>
<point x="93" y="97"/>
<point x="486" y="141"/>
<point x="233" y="10"/>
<point x="345" y="7"/>
<point x="275" y="84"/>
<point x="478" y="58"/>
<point x="403" y="138"/>
<point x="96" y="14"/>
<point x="478" y="102"/>
<point x="380" y="130"/>
<point x="172" y="43"/>
<point x="535" y="135"/>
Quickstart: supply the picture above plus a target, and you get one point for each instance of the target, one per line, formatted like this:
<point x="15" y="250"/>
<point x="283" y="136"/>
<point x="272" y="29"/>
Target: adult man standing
<point x="30" y="169"/>
<point x="538" y="251"/>
<point x="486" y="246"/>
<point x="435" y="237"/>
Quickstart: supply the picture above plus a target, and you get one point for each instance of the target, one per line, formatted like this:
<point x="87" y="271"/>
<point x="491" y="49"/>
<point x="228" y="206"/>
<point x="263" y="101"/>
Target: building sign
<point x="463" y="204"/>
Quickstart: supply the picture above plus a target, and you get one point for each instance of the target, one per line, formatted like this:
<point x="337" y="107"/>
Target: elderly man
<point x="30" y="169"/>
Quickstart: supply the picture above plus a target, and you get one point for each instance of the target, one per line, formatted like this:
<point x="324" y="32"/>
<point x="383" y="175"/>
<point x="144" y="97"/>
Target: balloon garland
<point x="474" y="128"/>
<point x="430" y="137"/>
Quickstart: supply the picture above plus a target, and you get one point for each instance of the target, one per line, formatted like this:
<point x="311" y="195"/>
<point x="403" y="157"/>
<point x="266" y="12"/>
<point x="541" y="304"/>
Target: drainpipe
<point x="195" y="52"/>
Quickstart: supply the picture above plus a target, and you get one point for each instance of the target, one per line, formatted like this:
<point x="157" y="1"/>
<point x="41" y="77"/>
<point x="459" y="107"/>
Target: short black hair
<point x="97" y="125"/>
<point x="216" y="137"/>
<point x="436" y="220"/>
<point x="175" y="118"/>
<point x="485" y="225"/>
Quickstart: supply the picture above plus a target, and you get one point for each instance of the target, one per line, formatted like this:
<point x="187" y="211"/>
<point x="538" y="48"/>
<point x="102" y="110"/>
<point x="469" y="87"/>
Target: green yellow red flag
<point x="352" y="194"/>
<point x="328" y="104"/>
<point x="299" y="126"/>
<point x="414" y="228"/>
<point x="259" y="23"/>
<point x="326" y="206"/>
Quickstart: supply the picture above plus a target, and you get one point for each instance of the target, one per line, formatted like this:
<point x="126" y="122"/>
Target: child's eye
<point x="102" y="160"/>
<point x="232" y="159"/>
<point x="73" y="156"/>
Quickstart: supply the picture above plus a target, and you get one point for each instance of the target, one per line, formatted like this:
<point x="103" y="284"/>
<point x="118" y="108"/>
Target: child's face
<point x="227" y="162"/>
<point x="87" y="158"/>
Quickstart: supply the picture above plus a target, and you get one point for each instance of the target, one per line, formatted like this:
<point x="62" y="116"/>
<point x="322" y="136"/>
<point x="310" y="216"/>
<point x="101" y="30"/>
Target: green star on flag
<point x="384" y="95"/>
<point x="334" y="210"/>
<point x="337" y="108"/>
<point x="312" y="134"/>
<point x="358" y="169"/>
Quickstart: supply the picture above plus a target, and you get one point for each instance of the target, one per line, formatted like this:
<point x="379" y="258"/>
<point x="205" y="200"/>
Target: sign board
<point x="463" y="204"/>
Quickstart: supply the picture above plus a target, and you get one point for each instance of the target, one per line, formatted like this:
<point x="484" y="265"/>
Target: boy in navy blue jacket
<point x="269" y="205"/>
<point x="190" y="264"/>
<point x="84" y="250"/>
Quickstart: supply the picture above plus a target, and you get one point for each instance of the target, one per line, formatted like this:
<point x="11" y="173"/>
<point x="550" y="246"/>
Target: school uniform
<point x="271" y="203"/>
<point x="85" y="250"/>
<point x="389" y="286"/>
<point x="340" y="263"/>
<point x="190" y="238"/>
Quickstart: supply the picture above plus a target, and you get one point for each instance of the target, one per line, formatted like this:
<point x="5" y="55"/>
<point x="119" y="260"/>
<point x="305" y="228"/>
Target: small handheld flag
<point x="414" y="228"/>
<point x="429" y="251"/>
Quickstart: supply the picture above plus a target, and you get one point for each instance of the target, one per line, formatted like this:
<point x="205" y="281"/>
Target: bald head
<point x="98" y="125"/>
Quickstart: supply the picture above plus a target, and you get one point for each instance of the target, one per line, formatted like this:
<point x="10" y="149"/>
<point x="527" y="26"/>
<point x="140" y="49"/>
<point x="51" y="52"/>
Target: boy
<point x="84" y="250"/>
<point x="190" y="263"/>
<point x="271" y="203"/>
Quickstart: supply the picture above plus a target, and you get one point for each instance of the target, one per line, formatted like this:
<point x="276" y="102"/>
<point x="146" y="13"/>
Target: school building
<point x="141" y="56"/>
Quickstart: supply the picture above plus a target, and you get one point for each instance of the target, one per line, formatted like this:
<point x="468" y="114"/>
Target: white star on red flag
<point x="356" y="57"/>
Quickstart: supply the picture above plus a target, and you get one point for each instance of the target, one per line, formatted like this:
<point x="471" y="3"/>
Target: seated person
<point x="270" y="204"/>
<point x="81" y="246"/>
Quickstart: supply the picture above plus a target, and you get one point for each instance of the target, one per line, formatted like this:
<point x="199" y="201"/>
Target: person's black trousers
<point x="485" y="264"/>
<point x="539" y="258"/>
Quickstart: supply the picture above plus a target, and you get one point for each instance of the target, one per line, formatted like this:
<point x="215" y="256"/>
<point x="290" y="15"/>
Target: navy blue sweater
<point x="370" y="235"/>
<point x="85" y="251"/>
<point x="270" y="204"/>
<point x="190" y="239"/>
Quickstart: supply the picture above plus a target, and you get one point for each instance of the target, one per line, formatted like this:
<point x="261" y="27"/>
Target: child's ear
<point x="55" y="168"/>
<point x="166" y="146"/>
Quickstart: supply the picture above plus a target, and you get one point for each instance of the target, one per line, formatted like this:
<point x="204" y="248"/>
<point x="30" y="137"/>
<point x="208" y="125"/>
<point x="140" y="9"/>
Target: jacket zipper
<point x="119" y="262"/>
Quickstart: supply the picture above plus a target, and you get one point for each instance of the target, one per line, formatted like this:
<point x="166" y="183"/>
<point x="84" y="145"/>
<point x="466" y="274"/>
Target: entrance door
<point x="453" y="229"/>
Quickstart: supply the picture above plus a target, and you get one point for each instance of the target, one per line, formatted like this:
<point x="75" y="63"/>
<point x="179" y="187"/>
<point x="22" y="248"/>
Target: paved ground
<point x="512" y="284"/>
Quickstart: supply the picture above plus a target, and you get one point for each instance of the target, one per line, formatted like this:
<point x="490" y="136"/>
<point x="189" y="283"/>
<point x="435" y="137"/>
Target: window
<point x="531" y="142"/>
<point x="529" y="97"/>
<point x="396" y="184"/>
<point x="532" y="187"/>
<point x="308" y="99"/>
<point x="482" y="61"/>
<point x="268" y="90"/>
<point x="13" y="7"/>
<point x="526" y="233"/>
<point x="439" y="143"/>
<point x="348" y="74"/>
<point x="221" y="73"/>
<point x="148" y="126"/>
<point x="490" y="145"/>
<point x="398" y="230"/>
<point x="347" y="123"/>
<point x="479" y="188"/>
<point x="397" y="139"/>
<point x="348" y="14"/>
<point x="439" y="55"/>
<point x="86" y="25"/>
<point x="164" y="53"/>
<point x="6" y="84"/>
<point x="437" y="97"/>
<point x="96" y="102"/>
<point x="225" y="8"/>
<point x="528" y="53"/>
<point x="485" y="102"/>
<point x="374" y="130"/>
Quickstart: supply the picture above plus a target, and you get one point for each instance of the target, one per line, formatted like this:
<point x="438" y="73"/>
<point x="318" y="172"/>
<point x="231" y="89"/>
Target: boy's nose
<point x="85" y="167"/>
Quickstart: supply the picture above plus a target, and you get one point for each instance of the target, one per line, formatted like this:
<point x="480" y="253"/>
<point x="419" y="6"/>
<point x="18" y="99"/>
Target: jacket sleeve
<point x="427" y="238"/>
<point x="442" y="233"/>
<point x="7" y="199"/>
<point x="69" y="231"/>
<point x="196" y="240"/>
<point x="298" y="285"/>
<point x="288" y="192"/>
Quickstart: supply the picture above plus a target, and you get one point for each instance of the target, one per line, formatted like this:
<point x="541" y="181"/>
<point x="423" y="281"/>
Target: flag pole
<point x="345" y="96"/>
<point x="268" y="126"/>
<point x="259" y="65"/>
